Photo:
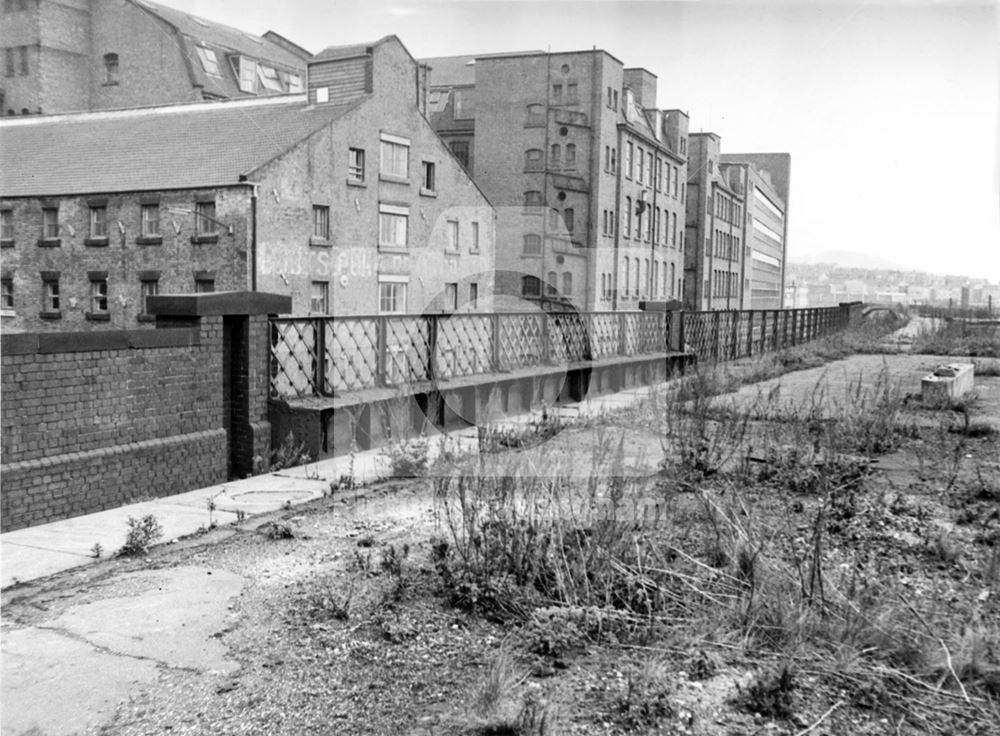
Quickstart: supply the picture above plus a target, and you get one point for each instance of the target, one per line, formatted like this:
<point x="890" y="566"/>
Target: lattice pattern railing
<point x="324" y="356"/>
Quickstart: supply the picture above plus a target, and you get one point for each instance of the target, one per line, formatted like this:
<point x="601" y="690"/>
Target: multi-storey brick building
<point x="587" y="175"/>
<point x="713" y="263"/>
<point x="346" y="199"/>
<point x="765" y="225"/>
<point x="75" y="55"/>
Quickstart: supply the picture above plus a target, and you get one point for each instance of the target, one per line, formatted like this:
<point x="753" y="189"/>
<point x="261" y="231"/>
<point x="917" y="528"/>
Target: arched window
<point x="555" y="220"/>
<point x="625" y="281"/>
<point x="556" y="155"/>
<point x="111" y="68"/>
<point x="535" y="117"/>
<point x="533" y="160"/>
<point x="550" y="283"/>
<point x="532" y="245"/>
<point x="568" y="219"/>
<point x="570" y="154"/>
<point x="530" y="286"/>
<point x="567" y="283"/>
<point x="533" y="198"/>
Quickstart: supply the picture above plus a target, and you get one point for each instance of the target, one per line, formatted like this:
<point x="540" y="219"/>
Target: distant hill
<point x="851" y="259"/>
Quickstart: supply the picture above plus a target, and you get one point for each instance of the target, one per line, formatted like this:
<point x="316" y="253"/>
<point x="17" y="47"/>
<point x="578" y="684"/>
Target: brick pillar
<point x="237" y="324"/>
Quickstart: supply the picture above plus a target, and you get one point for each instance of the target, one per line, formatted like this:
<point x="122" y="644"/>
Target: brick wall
<point x="172" y="260"/>
<point x="94" y="420"/>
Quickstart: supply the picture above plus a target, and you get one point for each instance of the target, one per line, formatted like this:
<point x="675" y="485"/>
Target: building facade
<point x="344" y="199"/>
<point x="765" y="225"/>
<point x="76" y="55"/>
<point x="586" y="173"/>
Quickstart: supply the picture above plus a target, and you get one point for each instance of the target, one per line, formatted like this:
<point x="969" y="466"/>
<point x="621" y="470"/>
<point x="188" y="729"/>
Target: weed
<point x="276" y="530"/>
<point x="502" y="706"/>
<point x="409" y="459"/>
<point x="986" y="367"/>
<point x="290" y="454"/>
<point x="393" y="558"/>
<point x="142" y="533"/>
<point x="97" y="551"/>
<point x="646" y="700"/>
<point x="241" y="516"/>
<point x="770" y="693"/>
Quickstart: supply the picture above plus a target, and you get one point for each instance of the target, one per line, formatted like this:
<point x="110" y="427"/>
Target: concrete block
<point x="947" y="382"/>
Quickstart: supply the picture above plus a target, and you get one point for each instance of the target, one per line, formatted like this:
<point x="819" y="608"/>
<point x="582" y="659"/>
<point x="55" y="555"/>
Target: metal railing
<point x="327" y="356"/>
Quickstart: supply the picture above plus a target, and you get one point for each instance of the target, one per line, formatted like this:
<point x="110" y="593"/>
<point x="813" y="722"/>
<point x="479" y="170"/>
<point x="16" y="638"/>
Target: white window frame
<point x="320" y="299"/>
<point x="454" y="240"/>
<point x="246" y="74"/>
<point x="209" y="61"/>
<point x="399" y="286"/>
<point x="390" y="219"/>
<point x="394" y="156"/>
<point x="268" y="77"/>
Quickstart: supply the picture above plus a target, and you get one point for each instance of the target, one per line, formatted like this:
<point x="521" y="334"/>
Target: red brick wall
<point x="94" y="420"/>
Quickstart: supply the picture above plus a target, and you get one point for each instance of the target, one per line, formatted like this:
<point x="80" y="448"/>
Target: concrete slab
<point x="68" y="675"/>
<point x="947" y="382"/>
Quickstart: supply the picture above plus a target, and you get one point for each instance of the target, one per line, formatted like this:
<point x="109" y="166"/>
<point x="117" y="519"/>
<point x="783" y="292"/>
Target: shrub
<point x="771" y="693"/>
<point x="290" y="454"/>
<point x="646" y="700"/>
<point x="142" y="533"/>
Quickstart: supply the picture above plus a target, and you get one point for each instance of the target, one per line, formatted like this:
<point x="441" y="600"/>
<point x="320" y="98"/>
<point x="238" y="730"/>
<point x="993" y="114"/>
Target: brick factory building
<point x="587" y="174"/>
<point x="77" y="55"/>
<point x="346" y="200"/>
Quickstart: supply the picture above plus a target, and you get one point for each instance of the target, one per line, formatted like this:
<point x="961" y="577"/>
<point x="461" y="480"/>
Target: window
<point x="322" y="95"/>
<point x="50" y="223"/>
<point x="99" y="223"/>
<point x="147" y="288"/>
<point x="474" y="295"/>
<point x="567" y="283"/>
<point x="550" y="283"/>
<point x="532" y="198"/>
<point x="627" y="218"/>
<point x="204" y="283"/>
<point x="268" y="77"/>
<point x="395" y="159"/>
<point x="614" y="162"/>
<point x="150" y="226"/>
<point x="649" y="168"/>
<point x="111" y="68"/>
<point x="609" y="97"/>
<point x="98" y="295"/>
<point x="673" y="228"/>
<point x="321" y="222"/>
<point x="6" y="292"/>
<point x="319" y="297"/>
<point x="628" y="160"/>
<point x="555" y="156"/>
<point x="572" y="93"/>
<point x="50" y="293"/>
<point x="607" y="158"/>
<point x="356" y="165"/>
<point x="247" y="74"/>
<point x="568" y="219"/>
<point x="7" y="226"/>
<point x="676" y="172"/>
<point x="204" y="218"/>
<point x="535" y="116"/>
<point x="392" y="297"/>
<point x="531" y="286"/>
<point x="570" y="155"/>
<point x="392" y="225"/>
<point x="429" y="175"/>
<point x="532" y="245"/>
<point x="461" y="151"/>
<point x="474" y="247"/>
<point x="533" y="160"/>
<point x="452" y="235"/>
<point x="684" y="146"/>
<point x="640" y="174"/>
<point x="294" y="82"/>
<point x="625" y="274"/>
<point x="22" y="52"/>
<point x="659" y="175"/>
<point x="615" y="105"/>
<point x="450" y="297"/>
<point x="208" y="60"/>
<point x="557" y="90"/>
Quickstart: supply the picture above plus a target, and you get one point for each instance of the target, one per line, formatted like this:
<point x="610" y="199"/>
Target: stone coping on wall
<point x="28" y="343"/>
<point x="218" y="303"/>
<point x="371" y="395"/>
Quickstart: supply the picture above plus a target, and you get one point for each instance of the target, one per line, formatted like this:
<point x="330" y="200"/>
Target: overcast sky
<point x="889" y="109"/>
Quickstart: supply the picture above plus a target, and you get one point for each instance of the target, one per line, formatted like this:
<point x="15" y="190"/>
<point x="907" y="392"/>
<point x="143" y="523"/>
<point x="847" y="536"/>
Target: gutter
<point x="254" y="185"/>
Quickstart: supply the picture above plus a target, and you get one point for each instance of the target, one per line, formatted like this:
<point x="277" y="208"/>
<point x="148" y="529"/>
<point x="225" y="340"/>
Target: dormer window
<point x="247" y="74"/>
<point x="268" y="77"/>
<point x="209" y="62"/>
<point x="111" y="68"/>
<point x="294" y="82"/>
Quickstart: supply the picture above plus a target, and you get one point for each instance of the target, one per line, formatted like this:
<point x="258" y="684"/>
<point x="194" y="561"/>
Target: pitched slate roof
<point x="451" y="71"/>
<point x="149" y="149"/>
<point x="225" y="41"/>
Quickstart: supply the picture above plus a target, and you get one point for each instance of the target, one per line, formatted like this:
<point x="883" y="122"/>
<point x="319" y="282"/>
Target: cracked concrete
<point x="60" y="677"/>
